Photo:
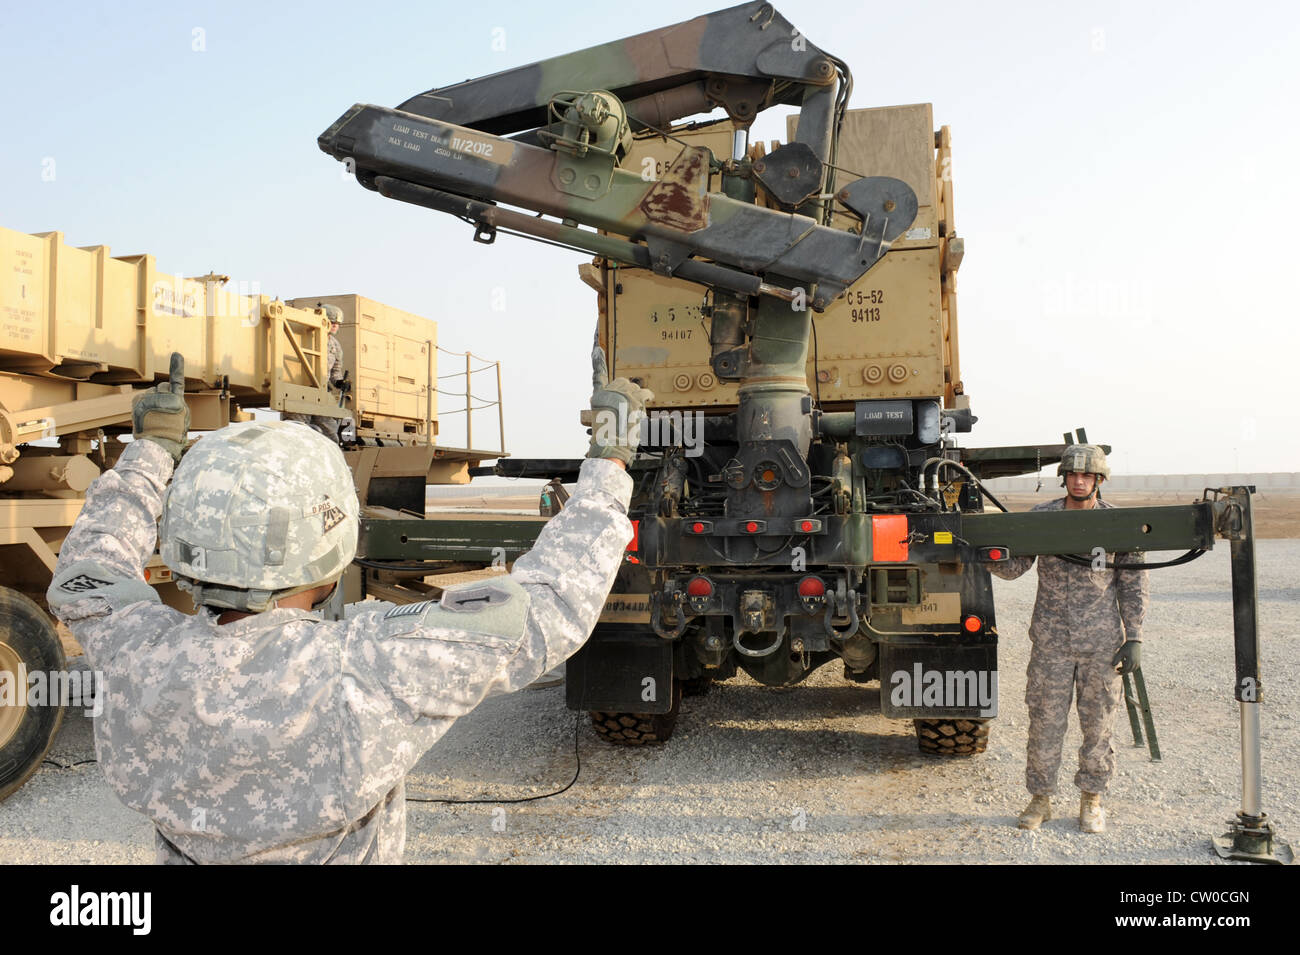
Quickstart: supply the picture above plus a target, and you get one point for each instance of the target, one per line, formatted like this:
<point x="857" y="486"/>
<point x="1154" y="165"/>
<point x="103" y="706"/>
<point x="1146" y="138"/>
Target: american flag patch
<point x="409" y="610"/>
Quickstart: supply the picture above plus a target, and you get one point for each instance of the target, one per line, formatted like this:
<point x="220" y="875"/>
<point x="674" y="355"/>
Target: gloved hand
<point x="1128" y="657"/>
<point x="617" y="409"/>
<point x="160" y="414"/>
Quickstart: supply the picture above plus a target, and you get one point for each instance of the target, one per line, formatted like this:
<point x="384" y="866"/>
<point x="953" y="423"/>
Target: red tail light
<point x="699" y="587"/>
<point x="812" y="587"/>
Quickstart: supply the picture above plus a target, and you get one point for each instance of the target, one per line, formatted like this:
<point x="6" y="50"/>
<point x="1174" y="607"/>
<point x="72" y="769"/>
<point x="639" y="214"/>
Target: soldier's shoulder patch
<point x="473" y="598"/>
<point x="493" y="612"/>
<point x="81" y="583"/>
<point x="409" y="610"/>
<point x="89" y="579"/>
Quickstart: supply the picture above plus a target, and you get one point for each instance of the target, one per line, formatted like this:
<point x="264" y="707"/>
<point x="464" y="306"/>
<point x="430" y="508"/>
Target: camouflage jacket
<point x="281" y="737"/>
<point x="1080" y="610"/>
<point x="334" y="360"/>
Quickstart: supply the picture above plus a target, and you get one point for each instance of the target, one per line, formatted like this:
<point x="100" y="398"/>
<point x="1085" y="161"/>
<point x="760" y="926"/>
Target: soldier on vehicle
<point x="333" y="375"/>
<point x="255" y="731"/>
<point x="1086" y="631"/>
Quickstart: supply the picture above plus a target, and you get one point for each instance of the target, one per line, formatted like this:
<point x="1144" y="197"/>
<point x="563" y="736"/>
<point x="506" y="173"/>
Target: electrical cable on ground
<point x="80" y="762"/>
<point x="465" y="802"/>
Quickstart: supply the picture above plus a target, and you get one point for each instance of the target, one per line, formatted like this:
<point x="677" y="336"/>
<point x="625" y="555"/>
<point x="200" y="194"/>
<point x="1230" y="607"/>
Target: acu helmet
<point x="332" y="312"/>
<point x="256" y="512"/>
<point x="1086" y="459"/>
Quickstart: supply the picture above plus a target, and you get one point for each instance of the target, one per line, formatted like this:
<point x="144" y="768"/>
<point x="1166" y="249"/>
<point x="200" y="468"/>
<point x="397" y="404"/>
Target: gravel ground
<point x="806" y="774"/>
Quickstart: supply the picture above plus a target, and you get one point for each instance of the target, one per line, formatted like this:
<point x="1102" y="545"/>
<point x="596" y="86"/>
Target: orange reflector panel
<point x="146" y="575"/>
<point x="972" y="624"/>
<point x="634" y="543"/>
<point x="889" y="537"/>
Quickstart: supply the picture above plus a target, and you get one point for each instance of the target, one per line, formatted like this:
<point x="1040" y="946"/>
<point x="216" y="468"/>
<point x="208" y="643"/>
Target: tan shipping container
<point x="392" y="359"/>
<point x="891" y="335"/>
<point x="80" y="313"/>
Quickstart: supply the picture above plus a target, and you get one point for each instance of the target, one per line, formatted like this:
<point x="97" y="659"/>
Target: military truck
<point x="792" y="305"/>
<point x="82" y="330"/>
<point x="794" y="310"/>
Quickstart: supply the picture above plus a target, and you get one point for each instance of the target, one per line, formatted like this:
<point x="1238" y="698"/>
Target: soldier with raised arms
<point x="1086" y="631"/>
<point x="255" y="731"/>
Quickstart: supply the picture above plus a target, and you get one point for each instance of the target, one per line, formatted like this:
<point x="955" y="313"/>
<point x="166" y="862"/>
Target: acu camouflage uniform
<point x="1080" y="619"/>
<point x="284" y="738"/>
<point x="334" y="375"/>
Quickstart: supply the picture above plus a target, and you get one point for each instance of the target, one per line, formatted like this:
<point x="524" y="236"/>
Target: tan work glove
<point x="160" y="414"/>
<point x="617" y="410"/>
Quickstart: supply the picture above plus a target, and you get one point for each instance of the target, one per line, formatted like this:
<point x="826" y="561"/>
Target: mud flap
<point x="621" y="671"/>
<point x="919" y="681"/>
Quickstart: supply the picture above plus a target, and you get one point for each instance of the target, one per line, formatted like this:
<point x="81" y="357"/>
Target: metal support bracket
<point x="851" y="609"/>
<point x="1251" y="836"/>
<point x="657" y="622"/>
<point x="1139" y="712"/>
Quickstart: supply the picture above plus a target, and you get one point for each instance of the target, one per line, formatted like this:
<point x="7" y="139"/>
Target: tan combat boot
<point x="1092" y="818"/>
<point x="1036" y="813"/>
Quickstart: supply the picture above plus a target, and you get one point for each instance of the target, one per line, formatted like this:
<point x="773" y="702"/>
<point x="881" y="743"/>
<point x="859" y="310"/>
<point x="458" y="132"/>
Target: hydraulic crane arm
<point x="447" y="149"/>
<point x="743" y="59"/>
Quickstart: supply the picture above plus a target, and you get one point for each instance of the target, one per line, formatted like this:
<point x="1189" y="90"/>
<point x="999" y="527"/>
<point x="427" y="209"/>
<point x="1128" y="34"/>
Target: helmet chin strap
<point x="329" y="594"/>
<point x="248" y="601"/>
<point x="1095" y="492"/>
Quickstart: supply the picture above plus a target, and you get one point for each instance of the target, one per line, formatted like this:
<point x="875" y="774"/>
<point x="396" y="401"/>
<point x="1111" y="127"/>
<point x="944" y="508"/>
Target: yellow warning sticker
<point x="943" y="537"/>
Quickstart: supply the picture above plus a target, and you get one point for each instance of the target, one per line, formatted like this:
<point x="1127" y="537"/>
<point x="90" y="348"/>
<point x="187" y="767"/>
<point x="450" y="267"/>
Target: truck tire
<point x="29" y="640"/>
<point x="638" y="729"/>
<point x="952" y="737"/>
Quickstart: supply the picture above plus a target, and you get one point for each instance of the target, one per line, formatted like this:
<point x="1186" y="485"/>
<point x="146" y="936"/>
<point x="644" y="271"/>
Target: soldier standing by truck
<point x="254" y="731"/>
<point x="1086" y="631"/>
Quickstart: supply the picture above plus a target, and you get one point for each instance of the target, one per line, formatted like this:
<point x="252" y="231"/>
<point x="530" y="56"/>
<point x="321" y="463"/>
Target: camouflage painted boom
<point x="676" y="215"/>
<point x="661" y="75"/>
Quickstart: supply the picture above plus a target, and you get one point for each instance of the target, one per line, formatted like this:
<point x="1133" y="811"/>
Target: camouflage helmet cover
<point x="333" y="313"/>
<point x="258" y="511"/>
<point x="1084" y="458"/>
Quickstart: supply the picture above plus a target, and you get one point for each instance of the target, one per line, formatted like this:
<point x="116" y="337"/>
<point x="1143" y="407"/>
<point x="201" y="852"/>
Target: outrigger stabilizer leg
<point x="1250" y="836"/>
<point x="1139" y="708"/>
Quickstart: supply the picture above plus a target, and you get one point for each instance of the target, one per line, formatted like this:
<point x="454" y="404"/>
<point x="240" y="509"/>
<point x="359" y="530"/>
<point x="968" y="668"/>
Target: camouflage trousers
<point x="326" y="426"/>
<point x="1054" y="679"/>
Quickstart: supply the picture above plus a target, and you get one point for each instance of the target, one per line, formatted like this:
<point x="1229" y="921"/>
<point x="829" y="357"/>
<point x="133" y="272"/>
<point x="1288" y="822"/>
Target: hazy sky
<point x="1123" y="174"/>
